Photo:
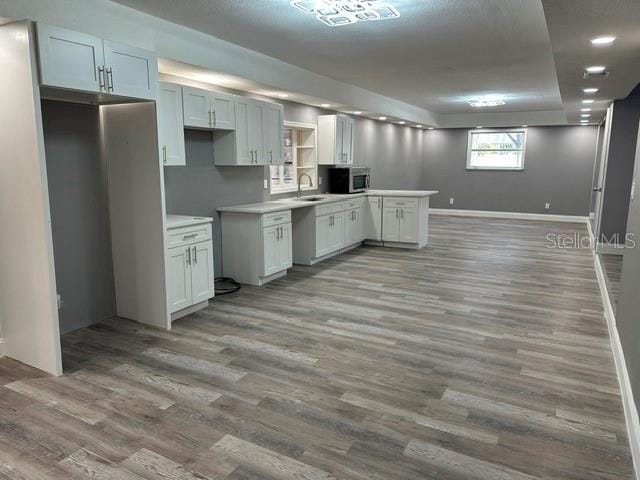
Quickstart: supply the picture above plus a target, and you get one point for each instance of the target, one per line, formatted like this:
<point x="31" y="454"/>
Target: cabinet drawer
<point x="330" y="208"/>
<point x="276" y="218"/>
<point x="189" y="235"/>
<point x="351" y="204"/>
<point x="406" y="202"/>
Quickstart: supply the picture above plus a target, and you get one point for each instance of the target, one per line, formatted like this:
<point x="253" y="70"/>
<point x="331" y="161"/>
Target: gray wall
<point x="629" y="300"/>
<point x="79" y="213"/>
<point x="394" y="152"/>
<point x="558" y="169"/>
<point x="622" y="145"/>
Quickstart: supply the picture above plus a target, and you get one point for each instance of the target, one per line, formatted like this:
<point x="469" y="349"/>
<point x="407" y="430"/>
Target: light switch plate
<point x="547" y="206"/>
<point x="266" y="183"/>
<point x="319" y="180"/>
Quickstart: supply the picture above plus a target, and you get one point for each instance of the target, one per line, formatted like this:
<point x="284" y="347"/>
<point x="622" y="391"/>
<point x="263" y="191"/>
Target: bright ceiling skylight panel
<point x="336" y="13"/>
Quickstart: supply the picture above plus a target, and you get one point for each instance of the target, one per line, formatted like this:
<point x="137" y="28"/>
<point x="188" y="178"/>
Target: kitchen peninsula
<point x="260" y="241"/>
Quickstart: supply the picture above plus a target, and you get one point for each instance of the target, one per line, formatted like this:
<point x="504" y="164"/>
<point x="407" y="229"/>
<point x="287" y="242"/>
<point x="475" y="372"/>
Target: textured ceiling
<point x="440" y="53"/>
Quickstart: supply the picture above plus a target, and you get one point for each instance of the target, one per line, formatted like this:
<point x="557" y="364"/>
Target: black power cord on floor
<point x="226" y="285"/>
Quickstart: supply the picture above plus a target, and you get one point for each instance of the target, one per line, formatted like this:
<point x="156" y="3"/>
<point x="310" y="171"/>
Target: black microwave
<point x="349" y="179"/>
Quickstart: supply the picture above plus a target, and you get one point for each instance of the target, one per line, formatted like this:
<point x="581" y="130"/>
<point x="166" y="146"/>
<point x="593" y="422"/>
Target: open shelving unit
<point x="300" y="156"/>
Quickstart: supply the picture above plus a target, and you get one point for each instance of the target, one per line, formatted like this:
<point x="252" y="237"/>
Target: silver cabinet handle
<point x="210" y="119"/>
<point x="277" y="233"/>
<point x="195" y="254"/>
<point x="110" y="79"/>
<point x="189" y="256"/>
<point x="101" y="78"/>
<point x="164" y="153"/>
<point x="397" y="213"/>
<point x="281" y="232"/>
<point x="379" y="202"/>
<point x="215" y="120"/>
<point x="270" y="156"/>
<point x="402" y="213"/>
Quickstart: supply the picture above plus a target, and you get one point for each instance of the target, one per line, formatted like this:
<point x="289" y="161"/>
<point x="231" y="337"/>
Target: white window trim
<point x="499" y="130"/>
<point x="291" y="188"/>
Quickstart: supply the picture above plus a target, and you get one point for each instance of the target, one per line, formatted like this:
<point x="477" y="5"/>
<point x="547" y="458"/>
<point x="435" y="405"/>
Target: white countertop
<point x="292" y="203"/>
<point x="177" y="221"/>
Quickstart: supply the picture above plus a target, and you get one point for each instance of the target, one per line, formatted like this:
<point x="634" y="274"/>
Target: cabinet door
<point x="372" y="219"/>
<point x="196" y="106"/>
<point x="202" y="277"/>
<point x="274" y="137"/>
<point x="223" y="111"/>
<point x="257" y="131"/>
<point x="336" y="232"/>
<point x="170" y="126"/>
<point x="270" y="250"/>
<point x="131" y="71"/>
<point x="408" y="225"/>
<point x="244" y="149"/>
<point x="70" y="59"/>
<point x="348" y="125"/>
<point x="285" y="250"/>
<point x="358" y="230"/>
<point x="179" y="278"/>
<point x="391" y="224"/>
<point x="339" y="140"/>
<point x="323" y="228"/>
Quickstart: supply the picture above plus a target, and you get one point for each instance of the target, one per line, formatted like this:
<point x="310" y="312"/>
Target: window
<point x="496" y="149"/>
<point x="300" y="156"/>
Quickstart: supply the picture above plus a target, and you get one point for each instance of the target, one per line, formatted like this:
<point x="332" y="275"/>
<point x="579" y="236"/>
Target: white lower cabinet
<point x="329" y="233"/>
<point x="404" y="221"/>
<point x="256" y="248"/>
<point x="353" y="232"/>
<point x="372" y="219"/>
<point x="190" y="274"/>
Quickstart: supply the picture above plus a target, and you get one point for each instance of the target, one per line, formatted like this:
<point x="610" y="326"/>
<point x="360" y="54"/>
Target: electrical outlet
<point x="451" y="201"/>
<point x="319" y="180"/>
<point x="547" y="206"/>
<point x="266" y="183"/>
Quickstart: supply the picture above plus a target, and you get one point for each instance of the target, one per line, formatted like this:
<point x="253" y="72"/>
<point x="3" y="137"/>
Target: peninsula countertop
<point x="320" y="199"/>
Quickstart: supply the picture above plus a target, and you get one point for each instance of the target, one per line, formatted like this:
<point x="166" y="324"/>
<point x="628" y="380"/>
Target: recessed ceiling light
<point x="401" y="123"/>
<point x="486" y="102"/>
<point x="585" y="109"/>
<point x="604" y="40"/>
<point x="337" y="13"/>
<point x="283" y="95"/>
<point x="382" y="118"/>
<point x="585" y="115"/>
<point x="418" y="126"/>
<point x="431" y="128"/>
<point x="357" y="112"/>
<point x="479" y="126"/>
<point x="584" y="124"/>
<point x="587" y="101"/>
<point x="325" y="105"/>
<point x="584" y="121"/>
<point x="589" y="90"/>
<point x="596" y="69"/>
<point x="525" y="126"/>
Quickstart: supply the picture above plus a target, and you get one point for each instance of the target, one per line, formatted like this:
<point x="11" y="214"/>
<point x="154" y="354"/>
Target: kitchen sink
<point x="310" y="199"/>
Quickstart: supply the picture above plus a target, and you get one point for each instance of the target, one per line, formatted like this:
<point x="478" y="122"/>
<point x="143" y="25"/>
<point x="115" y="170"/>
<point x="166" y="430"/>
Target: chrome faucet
<point x="300" y="184"/>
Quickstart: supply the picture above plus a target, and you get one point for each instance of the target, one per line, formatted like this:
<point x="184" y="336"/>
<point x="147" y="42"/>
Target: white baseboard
<point x="630" y="410"/>
<point x="514" y="215"/>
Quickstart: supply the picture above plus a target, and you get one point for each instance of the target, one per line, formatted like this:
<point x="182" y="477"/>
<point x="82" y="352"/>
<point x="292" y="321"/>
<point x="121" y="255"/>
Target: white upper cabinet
<point x="259" y="135"/>
<point x="130" y="71"/>
<point x="208" y="109"/>
<point x="70" y="59"/>
<point x="170" y="126"/>
<point x="335" y="140"/>
<point x="78" y="61"/>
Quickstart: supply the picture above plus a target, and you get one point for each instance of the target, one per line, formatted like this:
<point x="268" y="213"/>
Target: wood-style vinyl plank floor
<point x="483" y="356"/>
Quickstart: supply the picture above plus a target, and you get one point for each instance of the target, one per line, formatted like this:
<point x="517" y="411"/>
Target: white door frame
<point x="602" y="174"/>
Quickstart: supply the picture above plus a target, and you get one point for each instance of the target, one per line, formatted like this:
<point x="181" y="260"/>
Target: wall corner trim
<point x="628" y="404"/>
<point x="514" y="215"/>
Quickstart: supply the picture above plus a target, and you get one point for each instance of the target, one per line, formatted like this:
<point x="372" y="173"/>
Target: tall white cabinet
<point x="170" y="124"/>
<point x="336" y="135"/>
<point x="77" y="61"/>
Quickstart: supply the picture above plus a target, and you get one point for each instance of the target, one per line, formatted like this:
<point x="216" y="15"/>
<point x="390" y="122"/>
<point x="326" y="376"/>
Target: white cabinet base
<point x="189" y="310"/>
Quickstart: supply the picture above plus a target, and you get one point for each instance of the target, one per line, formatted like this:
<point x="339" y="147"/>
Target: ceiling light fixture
<point x="357" y="112"/>
<point x="283" y="95"/>
<point x="431" y="128"/>
<point x="418" y="126"/>
<point x="525" y="126"/>
<point x="585" y="115"/>
<point x="585" y="109"/>
<point x="589" y="90"/>
<point x="479" y="127"/>
<point x="587" y="101"/>
<point x="486" y="102"/>
<point x="603" y="41"/>
<point x="325" y="105"/>
<point x="401" y="123"/>
<point x="596" y="69"/>
<point x="382" y="118"/>
<point x="337" y="13"/>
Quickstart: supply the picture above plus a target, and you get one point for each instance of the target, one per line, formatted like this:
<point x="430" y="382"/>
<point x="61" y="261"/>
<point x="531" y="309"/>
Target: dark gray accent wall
<point x="628" y="299"/>
<point x="558" y="169"/>
<point x="394" y="152"/>
<point x="620" y="162"/>
<point x="79" y="213"/>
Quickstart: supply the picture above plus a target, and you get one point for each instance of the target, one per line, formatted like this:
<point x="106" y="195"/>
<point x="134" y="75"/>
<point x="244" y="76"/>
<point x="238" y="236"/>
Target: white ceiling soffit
<point x="437" y="56"/>
<point x="572" y="24"/>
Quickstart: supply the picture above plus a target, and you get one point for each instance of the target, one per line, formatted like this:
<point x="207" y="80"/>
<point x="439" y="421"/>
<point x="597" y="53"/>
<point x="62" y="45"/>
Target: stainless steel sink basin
<point x="309" y="199"/>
